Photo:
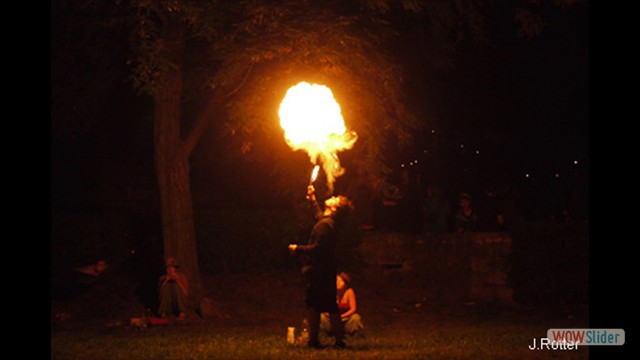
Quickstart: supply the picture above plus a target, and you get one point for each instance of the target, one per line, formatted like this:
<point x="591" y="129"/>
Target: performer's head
<point x="338" y="206"/>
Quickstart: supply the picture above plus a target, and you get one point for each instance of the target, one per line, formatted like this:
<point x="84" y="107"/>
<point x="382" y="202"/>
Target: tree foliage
<point x="278" y="44"/>
<point x="150" y="19"/>
<point x="245" y="54"/>
<point x="359" y="50"/>
<point x="87" y="65"/>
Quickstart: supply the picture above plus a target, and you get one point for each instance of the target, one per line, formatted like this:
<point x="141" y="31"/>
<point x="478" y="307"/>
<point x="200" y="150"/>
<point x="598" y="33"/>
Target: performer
<point x="319" y="266"/>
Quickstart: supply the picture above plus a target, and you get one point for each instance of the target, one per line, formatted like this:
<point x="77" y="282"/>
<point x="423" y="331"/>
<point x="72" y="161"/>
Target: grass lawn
<point x="402" y="319"/>
<point x="393" y="341"/>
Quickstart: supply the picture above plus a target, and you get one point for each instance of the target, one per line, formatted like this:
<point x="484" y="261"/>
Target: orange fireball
<point x="312" y="121"/>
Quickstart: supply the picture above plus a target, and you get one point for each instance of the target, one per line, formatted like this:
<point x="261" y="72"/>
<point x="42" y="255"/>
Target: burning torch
<point x="314" y="174"/>
<point x="310" y="189"/>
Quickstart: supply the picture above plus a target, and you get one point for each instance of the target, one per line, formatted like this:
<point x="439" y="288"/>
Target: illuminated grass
<point x="411" y="324"/>
<point x="206" y="341"/>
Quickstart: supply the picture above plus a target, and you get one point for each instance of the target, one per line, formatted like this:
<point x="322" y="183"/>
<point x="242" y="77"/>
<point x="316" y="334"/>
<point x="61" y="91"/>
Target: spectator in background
<point x="409" y="203"/>
<point x="465" y="218"/>
<point x="94" y="269"/>
<point x="435" y="211"/>
<point x="364" y="202"/>
<point x="386" y="197"/>
<point x="174" y="288"/>
<point x="490" y="211"/>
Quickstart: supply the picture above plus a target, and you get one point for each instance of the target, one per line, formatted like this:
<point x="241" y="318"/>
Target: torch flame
<point x="314" y="174"/>
<point x="312" y="121"/>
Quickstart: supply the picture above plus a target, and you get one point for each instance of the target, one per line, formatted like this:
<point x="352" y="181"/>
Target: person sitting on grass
<point x="174" y="288"/>
<point x="94" y="269"/>
<point x="347" y="305"/>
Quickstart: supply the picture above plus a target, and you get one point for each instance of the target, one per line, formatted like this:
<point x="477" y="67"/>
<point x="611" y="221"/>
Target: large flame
<point x="312" y="121"/>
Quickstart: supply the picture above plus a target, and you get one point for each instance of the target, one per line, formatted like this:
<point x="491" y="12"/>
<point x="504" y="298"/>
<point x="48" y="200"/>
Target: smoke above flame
<point x="312" y="121"/>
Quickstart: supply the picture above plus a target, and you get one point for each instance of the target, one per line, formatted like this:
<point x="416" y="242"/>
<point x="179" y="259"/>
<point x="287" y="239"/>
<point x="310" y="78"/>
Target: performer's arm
<point x="316" y="242"/>
<point x="313" y="202"/>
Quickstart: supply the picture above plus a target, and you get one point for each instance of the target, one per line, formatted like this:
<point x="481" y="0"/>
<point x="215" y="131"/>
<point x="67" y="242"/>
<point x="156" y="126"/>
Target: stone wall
<point x="489" y="267"/>
<point x="459" y="267"/>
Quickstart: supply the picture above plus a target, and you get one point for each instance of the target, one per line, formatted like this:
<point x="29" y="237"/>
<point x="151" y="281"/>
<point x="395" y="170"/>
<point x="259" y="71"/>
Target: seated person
<point x="94" y="269"/>
<point x="173" y="288"/>
<point x="67" y="283"/>
<point x="346" y="299"/>
<point x="91" y="273"/>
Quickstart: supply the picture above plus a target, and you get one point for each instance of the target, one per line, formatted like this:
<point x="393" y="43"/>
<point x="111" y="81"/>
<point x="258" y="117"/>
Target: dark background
<point x="514" y="115"/>
<point x="520" y="107"/>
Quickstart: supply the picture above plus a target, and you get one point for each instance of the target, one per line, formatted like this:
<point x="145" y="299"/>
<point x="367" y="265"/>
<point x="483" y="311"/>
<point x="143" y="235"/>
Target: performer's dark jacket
<point x="319" y="264"/>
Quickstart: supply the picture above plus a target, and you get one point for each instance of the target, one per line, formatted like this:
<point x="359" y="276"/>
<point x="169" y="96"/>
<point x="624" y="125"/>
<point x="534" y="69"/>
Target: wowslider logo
<point x="587" y="336"/>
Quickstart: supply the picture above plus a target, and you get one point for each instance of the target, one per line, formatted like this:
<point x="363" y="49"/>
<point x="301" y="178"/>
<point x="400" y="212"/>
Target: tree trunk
<point x="172" y="167"/>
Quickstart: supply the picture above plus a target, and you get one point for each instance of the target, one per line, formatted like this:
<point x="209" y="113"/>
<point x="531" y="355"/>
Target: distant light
<point x="477" y="152"/>
<point x="526" y="175"/>
<point x="402" y="165"/>
<point x="433" y="131"/>
<point x="575" y="162"/>
<point x="462" y="146"/>
<point x="416" y="161"/>
<point x="425" y="151"/>
<point x="557" y="175"/>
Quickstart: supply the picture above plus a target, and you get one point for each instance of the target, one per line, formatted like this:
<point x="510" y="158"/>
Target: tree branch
<point x="246" y="76"/>
<point x="196" y="131"/>
<point x="194" y="134"/>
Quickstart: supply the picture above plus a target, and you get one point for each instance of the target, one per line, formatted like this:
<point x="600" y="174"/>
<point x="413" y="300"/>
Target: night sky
<point x="524" y="102"/>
